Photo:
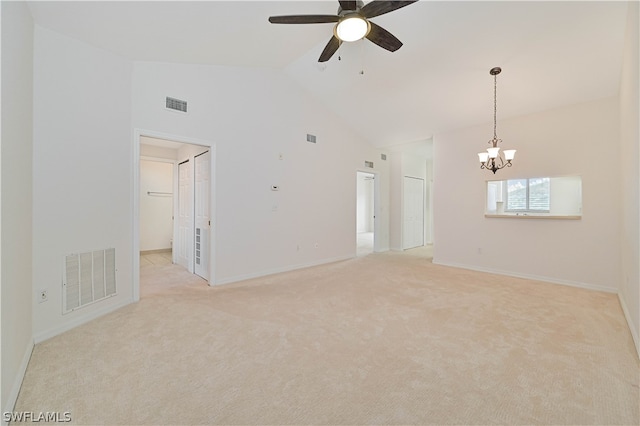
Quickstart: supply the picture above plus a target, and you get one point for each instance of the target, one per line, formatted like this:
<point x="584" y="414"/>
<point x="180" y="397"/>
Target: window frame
<point x="527" y="197"/>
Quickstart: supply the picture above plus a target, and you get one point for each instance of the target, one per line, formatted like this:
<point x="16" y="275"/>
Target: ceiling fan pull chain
<point x="361" y="57"/>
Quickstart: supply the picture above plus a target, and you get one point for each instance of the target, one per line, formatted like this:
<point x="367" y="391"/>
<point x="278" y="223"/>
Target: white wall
<point x="158" y="152"/>
<point x="253" y="116"/>
<point x="396" y="187"/>
<point x="82" y="162"/>
<point x="564" y="141"/>
<point x="156" y="210"/>
<point x="429" y="201"/>
<point x="630" y="179"/>
<point x="414" y="166"/>
<point x="566" y="196"/>
<point x="16" y="205"/>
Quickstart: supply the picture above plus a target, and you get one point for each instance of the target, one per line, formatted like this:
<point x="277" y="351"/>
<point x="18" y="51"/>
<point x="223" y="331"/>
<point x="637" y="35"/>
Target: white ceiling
<point x="552" y="54"/>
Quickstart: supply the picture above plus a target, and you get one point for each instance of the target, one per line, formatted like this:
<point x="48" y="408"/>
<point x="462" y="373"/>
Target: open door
<point x="184" y="215"/>
<point x="202" y="216"/>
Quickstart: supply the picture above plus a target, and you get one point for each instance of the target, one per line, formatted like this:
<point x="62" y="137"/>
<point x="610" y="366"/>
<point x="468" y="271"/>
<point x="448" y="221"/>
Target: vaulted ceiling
<point x="552" y="54"/>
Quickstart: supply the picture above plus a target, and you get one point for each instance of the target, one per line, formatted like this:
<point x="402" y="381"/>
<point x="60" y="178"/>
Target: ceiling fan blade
<point x="330" y="49"/>
<point x="304" y="19"/>
<point x="377" y="8"/>
<point x="348" y="5"/>
<point x="383" y="38"/>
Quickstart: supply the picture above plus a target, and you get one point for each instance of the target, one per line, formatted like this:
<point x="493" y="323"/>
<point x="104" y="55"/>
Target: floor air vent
<point x="88" y="277"/>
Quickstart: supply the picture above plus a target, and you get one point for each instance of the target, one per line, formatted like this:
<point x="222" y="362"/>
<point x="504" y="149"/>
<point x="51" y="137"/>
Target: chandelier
<point x="492" y="159"/>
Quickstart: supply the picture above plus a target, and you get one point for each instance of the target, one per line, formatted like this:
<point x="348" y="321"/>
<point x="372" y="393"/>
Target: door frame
<point x="376" y="208"/>
<point x="135" y="201"/>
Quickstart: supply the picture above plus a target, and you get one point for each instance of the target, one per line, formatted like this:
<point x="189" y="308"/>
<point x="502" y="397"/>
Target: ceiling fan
<point x="352" y="23"/>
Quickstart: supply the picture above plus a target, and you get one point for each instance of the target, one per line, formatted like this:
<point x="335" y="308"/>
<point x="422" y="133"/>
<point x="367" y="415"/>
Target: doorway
<point x="365" y="213"/>
<point x="156" y="209"/>
<point x="191" y="196"/>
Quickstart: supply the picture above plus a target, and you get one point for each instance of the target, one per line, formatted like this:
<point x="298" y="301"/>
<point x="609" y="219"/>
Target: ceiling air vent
<point x="311" y="138"/>
<point x="176" y="104"/>
<point x="368" y="164"/>
<point x="383" y="157"/>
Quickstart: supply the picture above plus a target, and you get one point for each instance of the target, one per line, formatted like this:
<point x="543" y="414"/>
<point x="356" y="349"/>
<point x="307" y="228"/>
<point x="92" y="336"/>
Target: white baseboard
<point x="17" y="383"/>
<point x="632" y="327"/>
<point x="529" y="276"/>
<point x="47" y="334"/>
<point x="280" y="270"/>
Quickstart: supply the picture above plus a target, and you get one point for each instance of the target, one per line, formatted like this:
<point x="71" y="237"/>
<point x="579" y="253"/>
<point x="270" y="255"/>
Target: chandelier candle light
<point x="492" y="160"/>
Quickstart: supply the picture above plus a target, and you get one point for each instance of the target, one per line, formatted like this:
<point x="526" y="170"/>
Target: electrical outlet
<point x="43" y="296"/>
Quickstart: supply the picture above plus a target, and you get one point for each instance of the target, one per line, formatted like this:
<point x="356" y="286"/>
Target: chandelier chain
<point x="495" y="105"/>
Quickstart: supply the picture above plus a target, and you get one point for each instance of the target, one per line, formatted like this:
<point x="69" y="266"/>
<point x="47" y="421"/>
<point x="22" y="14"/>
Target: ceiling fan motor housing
<point x="342" y="12"/>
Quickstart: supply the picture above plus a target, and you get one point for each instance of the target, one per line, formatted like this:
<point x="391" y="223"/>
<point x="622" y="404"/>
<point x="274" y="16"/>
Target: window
<point x="528" y="195"/>
<point x="535" y="198"/>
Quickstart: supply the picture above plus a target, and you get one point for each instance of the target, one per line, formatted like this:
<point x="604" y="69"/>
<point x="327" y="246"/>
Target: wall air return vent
<point x="88" y="278"/>
<point x="176" y="104"/>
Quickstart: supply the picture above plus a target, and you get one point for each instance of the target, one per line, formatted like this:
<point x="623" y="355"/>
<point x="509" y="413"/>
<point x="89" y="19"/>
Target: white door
<point x="413" y="206"/>
<point x="184" y="243"/>
<point x="202" y="217"/>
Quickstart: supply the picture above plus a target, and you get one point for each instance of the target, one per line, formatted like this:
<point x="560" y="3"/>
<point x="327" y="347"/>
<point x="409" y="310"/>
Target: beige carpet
<point x="382" y="339"/>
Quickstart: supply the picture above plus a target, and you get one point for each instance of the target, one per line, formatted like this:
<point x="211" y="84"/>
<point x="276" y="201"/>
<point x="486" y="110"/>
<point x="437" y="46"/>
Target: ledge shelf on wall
<point x="527" y="216"/>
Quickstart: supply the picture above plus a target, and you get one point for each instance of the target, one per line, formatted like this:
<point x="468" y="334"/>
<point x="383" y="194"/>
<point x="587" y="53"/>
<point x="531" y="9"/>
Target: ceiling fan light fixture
<point x="352" y="28"/>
